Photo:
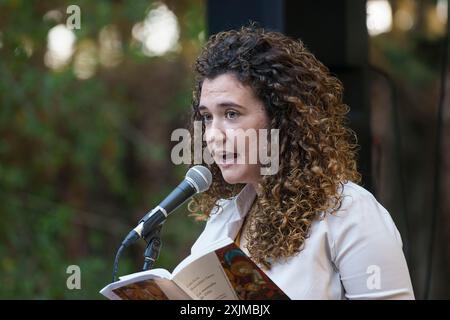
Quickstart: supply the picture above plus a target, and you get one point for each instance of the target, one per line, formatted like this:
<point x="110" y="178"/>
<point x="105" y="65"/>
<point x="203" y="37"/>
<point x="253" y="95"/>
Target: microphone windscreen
<point x="201" y="177"/>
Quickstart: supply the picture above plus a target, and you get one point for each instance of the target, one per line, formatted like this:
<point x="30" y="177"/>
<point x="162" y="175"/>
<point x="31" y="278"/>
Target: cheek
<point x="212" y="135"/>
<point x="207" y="139"/>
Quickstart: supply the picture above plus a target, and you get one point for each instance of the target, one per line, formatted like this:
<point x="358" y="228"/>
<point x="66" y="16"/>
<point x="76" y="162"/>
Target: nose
<point x="215" y="135"/>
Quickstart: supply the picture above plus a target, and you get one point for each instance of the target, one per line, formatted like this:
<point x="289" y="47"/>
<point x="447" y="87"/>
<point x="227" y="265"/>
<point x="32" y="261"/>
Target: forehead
<point x="225" y="86"/>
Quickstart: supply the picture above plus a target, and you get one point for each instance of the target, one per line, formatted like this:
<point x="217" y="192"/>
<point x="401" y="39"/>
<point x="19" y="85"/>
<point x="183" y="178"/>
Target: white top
<point x="354" y="253"/>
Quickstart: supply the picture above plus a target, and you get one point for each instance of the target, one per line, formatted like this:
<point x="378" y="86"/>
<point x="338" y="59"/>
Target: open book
<point x="221" y="272"/>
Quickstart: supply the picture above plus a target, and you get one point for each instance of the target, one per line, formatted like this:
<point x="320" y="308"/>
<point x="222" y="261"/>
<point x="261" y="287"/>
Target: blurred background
<point x="86" y="116"/>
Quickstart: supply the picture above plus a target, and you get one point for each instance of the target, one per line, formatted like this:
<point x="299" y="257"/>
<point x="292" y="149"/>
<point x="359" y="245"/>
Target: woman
<point x="316" y="233"/>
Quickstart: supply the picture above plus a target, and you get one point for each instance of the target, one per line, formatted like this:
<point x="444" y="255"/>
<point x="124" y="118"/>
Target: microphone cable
<point x="116" y="262"/>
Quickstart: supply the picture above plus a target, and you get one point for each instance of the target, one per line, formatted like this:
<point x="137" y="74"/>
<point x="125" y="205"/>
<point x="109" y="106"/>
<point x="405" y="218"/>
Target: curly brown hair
<point x="317" y="151"/>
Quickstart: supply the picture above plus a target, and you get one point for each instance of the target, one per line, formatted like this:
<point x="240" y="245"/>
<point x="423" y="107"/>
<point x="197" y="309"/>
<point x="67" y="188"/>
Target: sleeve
<point x="367" y="251"/>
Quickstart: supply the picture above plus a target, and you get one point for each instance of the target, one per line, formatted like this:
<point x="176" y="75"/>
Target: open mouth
<point x="228" y="158"/>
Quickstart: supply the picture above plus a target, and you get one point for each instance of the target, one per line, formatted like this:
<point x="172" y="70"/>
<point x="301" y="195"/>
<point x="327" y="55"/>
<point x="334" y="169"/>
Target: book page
<point x="249" y="281"/>
<point x="210" y="248"/>
<point x="204" y="279"/>
<point x="172" y="290"/>
<point x="226" y="272"/>
<point x="146" y="285"/>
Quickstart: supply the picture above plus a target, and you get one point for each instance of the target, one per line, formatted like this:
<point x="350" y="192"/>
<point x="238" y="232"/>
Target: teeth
<point x="229" y="157"/>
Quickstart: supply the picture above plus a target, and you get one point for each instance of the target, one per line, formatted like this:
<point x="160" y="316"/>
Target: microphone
<point x="198" y="179"/>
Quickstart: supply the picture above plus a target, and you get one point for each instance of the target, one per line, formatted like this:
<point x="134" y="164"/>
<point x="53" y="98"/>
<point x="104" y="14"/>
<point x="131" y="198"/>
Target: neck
<point x="257" y="187"/>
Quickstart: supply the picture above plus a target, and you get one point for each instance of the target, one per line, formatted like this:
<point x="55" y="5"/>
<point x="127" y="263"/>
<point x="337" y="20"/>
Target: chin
<point x="231" y="179"/>
<point x="232" y="176"/>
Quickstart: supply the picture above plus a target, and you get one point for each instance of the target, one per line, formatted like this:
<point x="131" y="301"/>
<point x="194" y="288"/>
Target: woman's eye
<point x="206" y="117"/>
<point x="232" y="114"/>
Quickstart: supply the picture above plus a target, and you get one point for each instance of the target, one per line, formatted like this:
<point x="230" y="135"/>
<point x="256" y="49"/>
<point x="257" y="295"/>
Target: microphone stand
<point x="154" y="243"/>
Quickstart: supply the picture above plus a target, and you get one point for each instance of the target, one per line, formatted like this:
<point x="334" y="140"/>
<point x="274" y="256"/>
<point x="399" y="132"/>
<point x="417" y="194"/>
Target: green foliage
<point x="77" y="157"/>
<point x="412" y="57"/>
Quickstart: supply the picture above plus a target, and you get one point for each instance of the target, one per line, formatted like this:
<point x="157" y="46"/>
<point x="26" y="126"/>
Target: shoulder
<point x="360" y="218"/>
<point x="357" y="204"/>
<point x="353" y="194"/>
<point x="367" y="248"/>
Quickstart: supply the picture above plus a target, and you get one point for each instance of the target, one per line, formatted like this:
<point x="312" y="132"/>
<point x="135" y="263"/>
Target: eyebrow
<point x="223" y="105"/>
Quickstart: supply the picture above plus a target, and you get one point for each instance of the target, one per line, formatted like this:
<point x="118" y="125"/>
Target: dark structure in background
<point x="334" y="31"/>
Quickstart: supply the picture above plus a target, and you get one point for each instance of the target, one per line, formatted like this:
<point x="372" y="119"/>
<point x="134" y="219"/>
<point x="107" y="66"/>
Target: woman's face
<point x="226" y="105"/>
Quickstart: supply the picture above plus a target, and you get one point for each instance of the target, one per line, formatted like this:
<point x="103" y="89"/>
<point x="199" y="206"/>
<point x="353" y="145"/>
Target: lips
<point x="225" y="157"/>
